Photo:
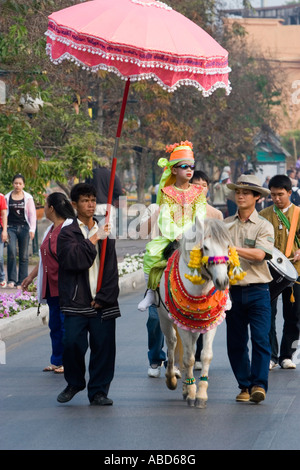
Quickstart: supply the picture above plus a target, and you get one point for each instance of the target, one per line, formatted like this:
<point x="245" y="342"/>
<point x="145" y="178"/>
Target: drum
<point x="283" y="272"/>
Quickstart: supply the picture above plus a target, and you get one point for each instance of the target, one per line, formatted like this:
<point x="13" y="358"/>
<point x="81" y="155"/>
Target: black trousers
<point x="80" y="333"/>
<point x="291" y="324"/>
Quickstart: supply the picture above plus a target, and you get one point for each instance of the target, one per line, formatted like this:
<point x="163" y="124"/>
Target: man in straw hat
<point x="281" y="215"/>
<point x="253" y="238"/>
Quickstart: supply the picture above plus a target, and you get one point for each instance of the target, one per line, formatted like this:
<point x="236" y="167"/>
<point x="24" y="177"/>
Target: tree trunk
<point x="141" y="167"/>
<point x="97" y="97"/>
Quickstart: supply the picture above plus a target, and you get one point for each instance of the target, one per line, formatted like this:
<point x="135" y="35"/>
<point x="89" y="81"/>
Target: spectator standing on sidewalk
<point x="21" y="220"/>
<point x="3" y="238"/>
<point x="222" y="195"/>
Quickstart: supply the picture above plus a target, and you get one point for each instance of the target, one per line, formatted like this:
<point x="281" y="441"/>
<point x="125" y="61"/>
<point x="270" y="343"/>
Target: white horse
<point x="214" y="239"/>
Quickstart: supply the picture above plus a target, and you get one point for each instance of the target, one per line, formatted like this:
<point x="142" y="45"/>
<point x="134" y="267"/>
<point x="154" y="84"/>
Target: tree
<point x="55" y="142"/>
<point x="222" y="128"/>
<point x="76" y="125"/>
<point x="291" y="141"/>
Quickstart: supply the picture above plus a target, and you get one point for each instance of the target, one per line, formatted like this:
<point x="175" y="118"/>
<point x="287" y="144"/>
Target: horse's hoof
<point x="171" y="383"/>
<point x="190" y="402"/>
<point x="200" y="403"/>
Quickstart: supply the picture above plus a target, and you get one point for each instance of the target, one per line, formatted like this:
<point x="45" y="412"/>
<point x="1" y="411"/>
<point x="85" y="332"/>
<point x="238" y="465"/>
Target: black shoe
<point x="67" y="394"/>
<point x="101" y="400"/>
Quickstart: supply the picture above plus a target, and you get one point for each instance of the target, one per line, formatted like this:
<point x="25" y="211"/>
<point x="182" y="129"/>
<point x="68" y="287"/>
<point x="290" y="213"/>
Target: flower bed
<point x="130" y="264"/>
<point x="12" y="303"/>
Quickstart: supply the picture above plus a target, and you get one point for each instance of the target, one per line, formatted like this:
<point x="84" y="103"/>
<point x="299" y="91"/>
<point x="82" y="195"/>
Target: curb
<point x="132" y="281"/>
<point x="22" y="321"/>
<point x="28" y="318"/>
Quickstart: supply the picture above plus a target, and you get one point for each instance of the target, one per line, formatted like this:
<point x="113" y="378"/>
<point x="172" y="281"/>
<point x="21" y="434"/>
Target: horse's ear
<point x="194" y="236"/>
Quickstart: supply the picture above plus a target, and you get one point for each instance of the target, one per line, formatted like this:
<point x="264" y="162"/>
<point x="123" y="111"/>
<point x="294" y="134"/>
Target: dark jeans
<point x="18" y="234"/>
<point x="251" y="306"/>
<point x="56" y="325"/>
<point x="291" y="324"/>
<point x="156" y="355"/>
<point x="81" y="332"/>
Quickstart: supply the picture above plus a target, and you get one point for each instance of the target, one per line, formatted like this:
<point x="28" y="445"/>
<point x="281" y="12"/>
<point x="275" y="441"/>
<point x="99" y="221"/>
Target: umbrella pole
<point x="112" y="181"/>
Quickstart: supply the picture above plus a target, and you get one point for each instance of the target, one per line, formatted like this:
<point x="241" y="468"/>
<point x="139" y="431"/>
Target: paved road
<point x="145" y="415"/>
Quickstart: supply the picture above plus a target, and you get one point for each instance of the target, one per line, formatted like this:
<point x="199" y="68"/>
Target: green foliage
<point x="14" y="42"/>
<point x="61" y="142"/>
<point x="54" y="144"/>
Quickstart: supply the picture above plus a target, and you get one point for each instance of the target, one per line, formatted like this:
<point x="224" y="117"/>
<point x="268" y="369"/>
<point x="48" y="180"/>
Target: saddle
<point x="158" y="269"/>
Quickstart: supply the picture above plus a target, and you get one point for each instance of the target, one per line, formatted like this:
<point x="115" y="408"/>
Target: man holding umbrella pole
<point x="90" y="312"/>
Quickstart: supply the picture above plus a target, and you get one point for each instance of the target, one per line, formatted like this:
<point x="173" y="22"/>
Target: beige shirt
<point x="213" y="213"/>
<point x="94" y="269"/>
<point x="256" y="232"/>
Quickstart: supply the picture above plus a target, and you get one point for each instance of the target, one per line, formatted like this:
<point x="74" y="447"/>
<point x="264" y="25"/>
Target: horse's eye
<point x="205" y="248"/>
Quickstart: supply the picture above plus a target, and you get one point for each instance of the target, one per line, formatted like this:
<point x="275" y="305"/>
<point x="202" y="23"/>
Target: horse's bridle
<point x="216" y="260"/>
<point x="211" y="261"/>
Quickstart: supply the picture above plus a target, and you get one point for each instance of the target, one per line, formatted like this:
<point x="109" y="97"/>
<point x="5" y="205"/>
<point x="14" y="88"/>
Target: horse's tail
<point x="178" y="350"/>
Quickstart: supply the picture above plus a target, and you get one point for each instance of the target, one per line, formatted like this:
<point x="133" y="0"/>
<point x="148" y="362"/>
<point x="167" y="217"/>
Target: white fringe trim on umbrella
<point x="139" y="62"/>
<point x="148" y="76"/>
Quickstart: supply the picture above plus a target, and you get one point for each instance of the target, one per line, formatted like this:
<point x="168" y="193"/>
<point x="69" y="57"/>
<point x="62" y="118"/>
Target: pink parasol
<point x="137" y="39"/>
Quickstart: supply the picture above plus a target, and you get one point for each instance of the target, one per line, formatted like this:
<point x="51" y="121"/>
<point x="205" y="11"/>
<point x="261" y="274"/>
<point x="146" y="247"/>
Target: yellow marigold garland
<point x="195" y="265"/>
<point x="235" y="272"/>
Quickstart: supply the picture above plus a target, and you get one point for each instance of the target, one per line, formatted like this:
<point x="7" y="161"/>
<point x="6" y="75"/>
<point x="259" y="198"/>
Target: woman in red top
<point x="57" y="210"/>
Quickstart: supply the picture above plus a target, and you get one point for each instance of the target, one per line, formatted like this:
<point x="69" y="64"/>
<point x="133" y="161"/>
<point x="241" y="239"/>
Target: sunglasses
<point x="184" y="166"/>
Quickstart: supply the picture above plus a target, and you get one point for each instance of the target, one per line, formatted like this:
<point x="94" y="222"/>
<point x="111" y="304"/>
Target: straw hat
<point x="249" y="182"/>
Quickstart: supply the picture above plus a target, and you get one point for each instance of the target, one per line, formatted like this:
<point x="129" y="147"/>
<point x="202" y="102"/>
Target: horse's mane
<point x="217" y="229"/>
<point x="201" y="229"/>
